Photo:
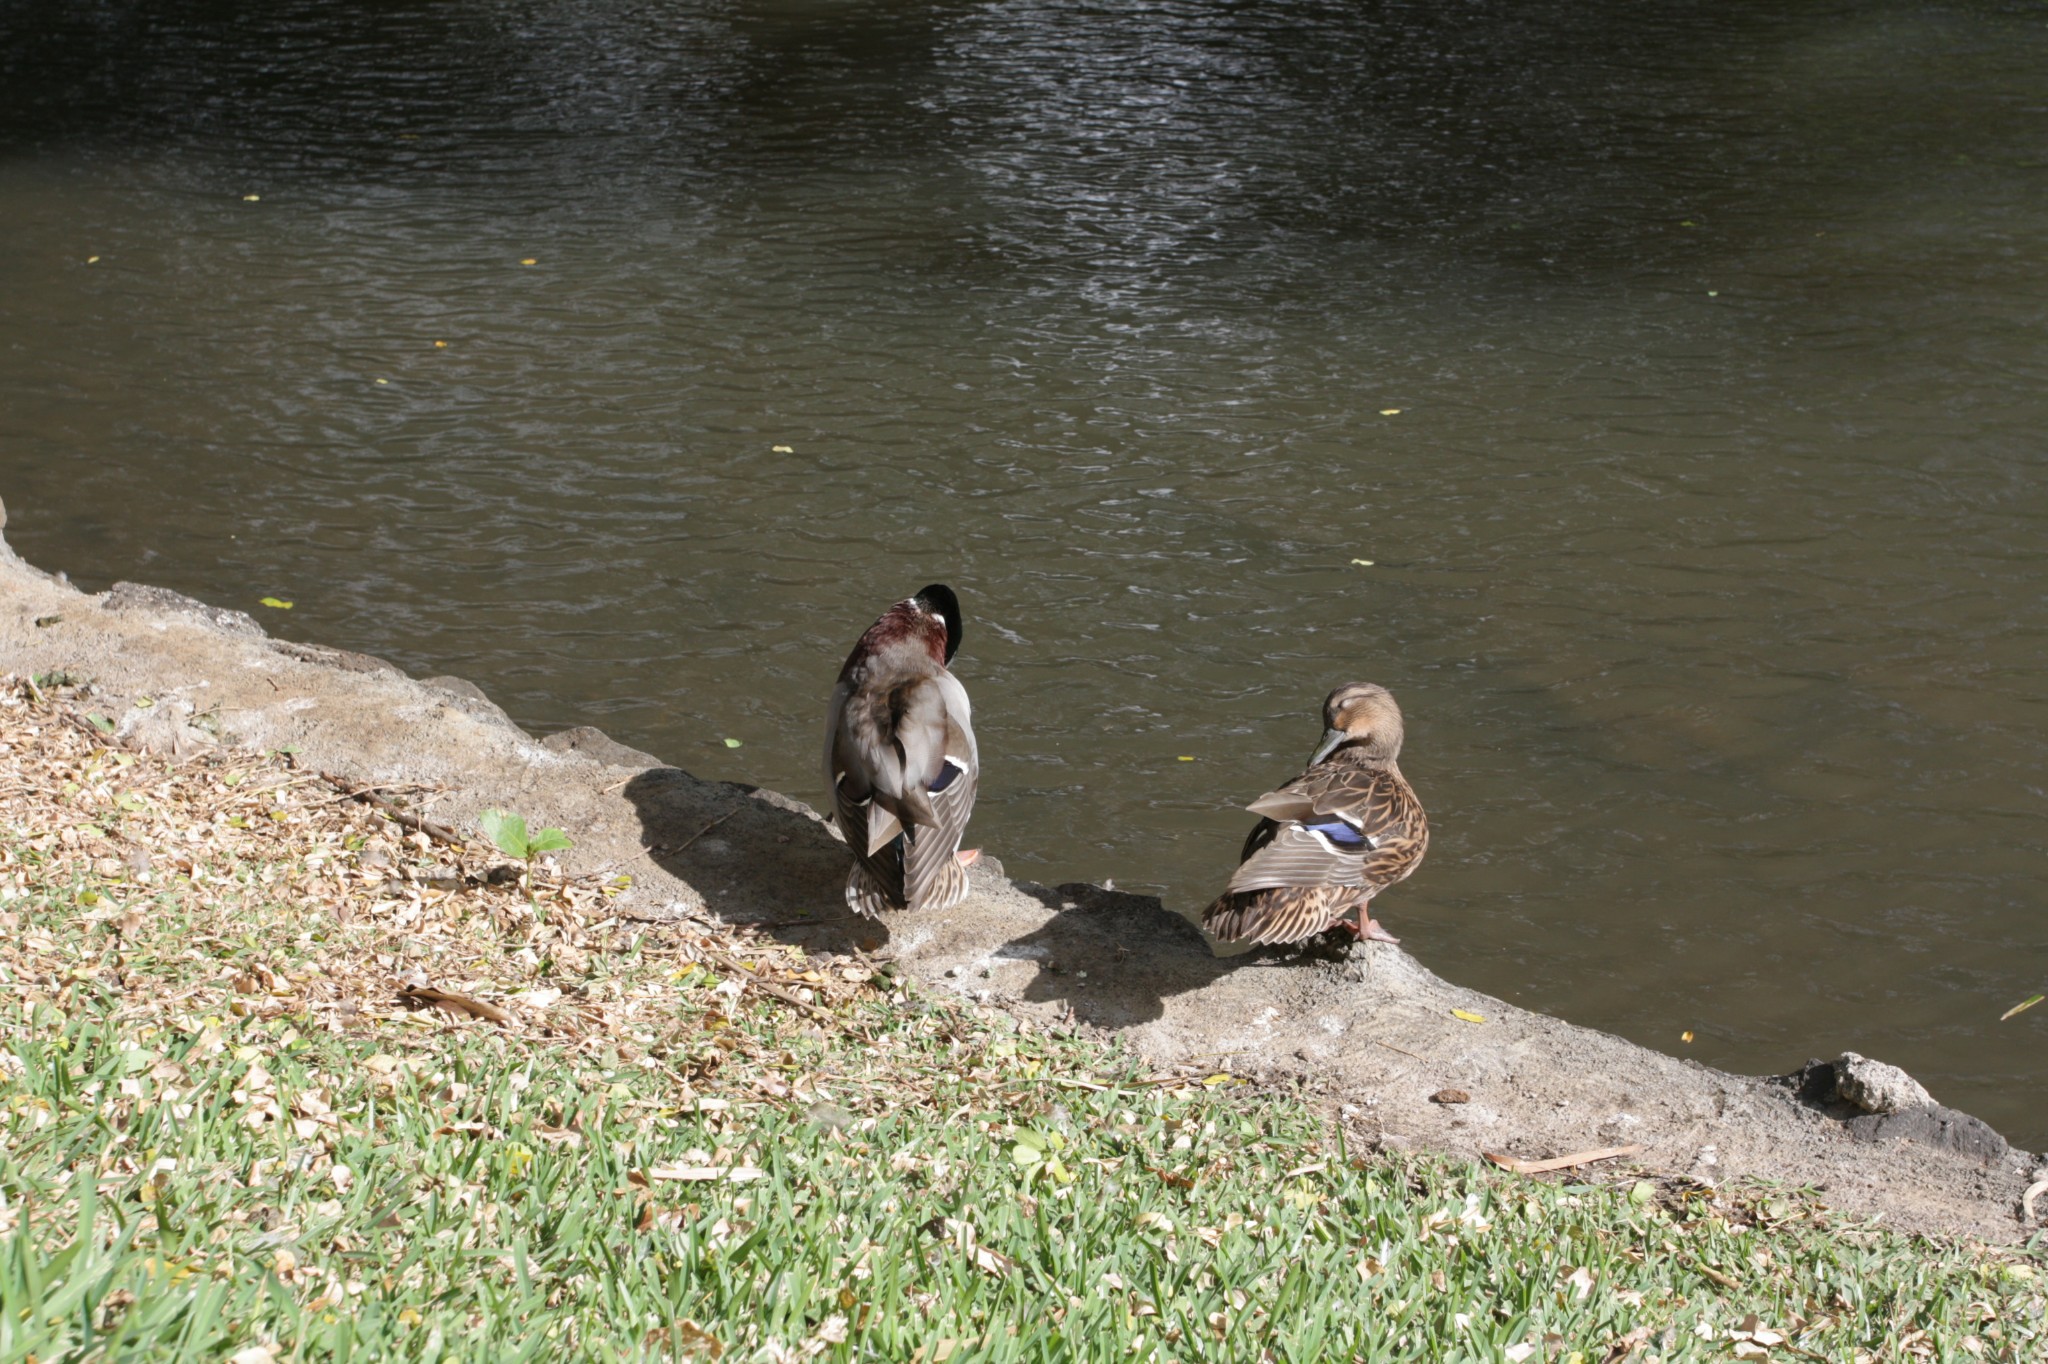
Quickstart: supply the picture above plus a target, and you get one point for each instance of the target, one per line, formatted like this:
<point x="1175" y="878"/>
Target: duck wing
<point x="932" y="875"/>
<point x="1346" y="825"/>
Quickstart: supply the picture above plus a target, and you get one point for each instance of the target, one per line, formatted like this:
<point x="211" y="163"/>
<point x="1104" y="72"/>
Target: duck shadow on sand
<point x="749" y="856"/>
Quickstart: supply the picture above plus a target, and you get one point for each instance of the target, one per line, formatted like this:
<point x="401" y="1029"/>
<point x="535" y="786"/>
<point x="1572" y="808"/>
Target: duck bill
<point x="1332" y="738"/>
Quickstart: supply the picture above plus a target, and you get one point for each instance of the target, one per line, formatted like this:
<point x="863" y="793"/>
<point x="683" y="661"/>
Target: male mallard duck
<point x="1334" y="837"/>
<point x="900" y="758"/>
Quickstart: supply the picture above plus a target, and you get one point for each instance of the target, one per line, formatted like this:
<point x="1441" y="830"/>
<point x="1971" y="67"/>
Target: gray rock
<point x="594" y="743"/>
<point x="163" y="601"/>
<point x="1876" y="1087"/>
<point x="1933" y="1125"/>
<point x="348" y="660"/>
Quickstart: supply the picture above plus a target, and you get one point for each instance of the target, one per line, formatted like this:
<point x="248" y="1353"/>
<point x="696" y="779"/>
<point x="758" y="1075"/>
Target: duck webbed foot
<point x="1367" y="927"/>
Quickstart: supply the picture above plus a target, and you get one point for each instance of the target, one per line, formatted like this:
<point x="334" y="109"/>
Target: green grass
<point x="493" y="1206"/>
<point x="208" y="1152"/>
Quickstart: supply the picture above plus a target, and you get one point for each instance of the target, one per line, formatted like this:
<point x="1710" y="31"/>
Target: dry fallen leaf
<point x="450" y="1002"/>
<point x="1468" y="1015"/>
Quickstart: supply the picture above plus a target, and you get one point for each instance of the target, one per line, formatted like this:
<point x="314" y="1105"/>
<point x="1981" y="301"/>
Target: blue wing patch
<point x="1346" y="836"/>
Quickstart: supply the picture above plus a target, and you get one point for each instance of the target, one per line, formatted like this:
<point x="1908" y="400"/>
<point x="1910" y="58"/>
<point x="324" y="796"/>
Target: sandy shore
<point x="1374" y="1033"/>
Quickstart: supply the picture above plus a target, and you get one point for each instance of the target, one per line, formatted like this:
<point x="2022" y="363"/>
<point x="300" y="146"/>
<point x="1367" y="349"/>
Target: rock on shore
<point x="1374" y="1032"/>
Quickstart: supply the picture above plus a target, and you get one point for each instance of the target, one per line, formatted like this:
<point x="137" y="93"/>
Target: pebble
<point x="1876" y="1087"/>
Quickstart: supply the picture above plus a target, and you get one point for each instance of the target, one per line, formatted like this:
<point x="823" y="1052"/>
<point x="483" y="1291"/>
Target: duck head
<point x="927" y="623"/>
<point x="1361" y="713"/>
<point x="938" y="600"/>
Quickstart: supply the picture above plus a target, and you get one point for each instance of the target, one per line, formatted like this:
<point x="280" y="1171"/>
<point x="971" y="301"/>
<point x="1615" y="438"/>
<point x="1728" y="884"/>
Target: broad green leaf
<point x="506" y="830"/>
<point x="549" y="839"/>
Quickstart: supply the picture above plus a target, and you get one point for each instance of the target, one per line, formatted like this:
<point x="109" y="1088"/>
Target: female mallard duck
<point x="1334" y="837"/>
<point x="900" y="758"/>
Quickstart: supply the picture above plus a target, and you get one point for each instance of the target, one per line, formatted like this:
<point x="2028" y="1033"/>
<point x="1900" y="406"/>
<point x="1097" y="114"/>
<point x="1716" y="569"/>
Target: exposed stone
<point x="345" y="659"/>
<point x="141" y="597"/>
<point x="469" y="698"/>
<point x="594" y="743"/>
<point x="1876" y="1087"/>
<point x="1933" y="1125"/>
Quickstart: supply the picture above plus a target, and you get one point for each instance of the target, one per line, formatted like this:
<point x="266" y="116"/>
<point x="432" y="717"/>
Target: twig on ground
<point x="440" y="833"/>
<point x="671" y="852"/>
<point x="1577" y="1158"/>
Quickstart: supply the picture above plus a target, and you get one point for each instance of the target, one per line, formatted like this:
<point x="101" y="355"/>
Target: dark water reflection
<point x="1709" y="542"/>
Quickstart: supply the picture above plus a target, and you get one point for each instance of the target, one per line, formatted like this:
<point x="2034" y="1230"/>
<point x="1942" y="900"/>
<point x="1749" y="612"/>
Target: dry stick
<point x="671" y="852"/>
<point x="1538" y="1167"/>
<point x="788" y="997"/>
<point x="440" y="833"/>
<point x="1391" y="1047"/>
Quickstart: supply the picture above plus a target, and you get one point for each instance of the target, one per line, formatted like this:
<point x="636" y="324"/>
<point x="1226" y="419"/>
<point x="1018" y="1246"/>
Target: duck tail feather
<point x="866" y="895"/>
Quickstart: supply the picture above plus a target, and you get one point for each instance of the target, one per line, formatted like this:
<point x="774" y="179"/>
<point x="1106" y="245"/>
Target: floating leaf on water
<point x="529" y="261"/>
<point x="1187" y="757"/>
<point x="252" y="198"/>
<point x="1390" y="412"/>
<point x="1685" y="1036"/>
<point x="92" y="260"/>
<point x="440" y="345"/>
<point x="783" y="449"/>
<point x="383" y="381"/>
<point x="732" y="743"/>
<point x="1363" y="563"/>
<point x="2021" y="1007"/>
<point x="278" y="603"/>
<point x="1468" y="1015"/>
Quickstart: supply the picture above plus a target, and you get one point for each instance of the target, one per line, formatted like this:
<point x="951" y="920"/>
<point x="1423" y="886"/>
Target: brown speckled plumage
<point x="900" y="758"/>
<point x="1334" y="837"/>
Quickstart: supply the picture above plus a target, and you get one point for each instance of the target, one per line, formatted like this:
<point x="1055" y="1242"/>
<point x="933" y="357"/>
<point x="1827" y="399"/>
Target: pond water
<point x="1681" y="371"/>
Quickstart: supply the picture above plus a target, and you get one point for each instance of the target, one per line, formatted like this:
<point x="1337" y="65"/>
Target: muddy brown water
<point x="1682" y="372"/>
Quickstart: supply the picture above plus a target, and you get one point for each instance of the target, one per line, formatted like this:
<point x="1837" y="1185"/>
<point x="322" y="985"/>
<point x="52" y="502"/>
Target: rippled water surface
<point x="1681" y="369"/>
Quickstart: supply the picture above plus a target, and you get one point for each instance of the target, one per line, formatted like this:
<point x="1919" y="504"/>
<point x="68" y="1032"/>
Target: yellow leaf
<point x="1187" y="757"/>
<point x="1220" y="1078"/>
<point x="92" y="260"/>
<point x="784" y="450"/>
<point x="1363" y="563"/>
<point x="251" y="198"/>
<point x="276" y="602"/>
<point x="732" y="743"/>
<point x="1390" y="412"/>
<point x="529" y="261"/>
<point x="1685" y="1036"/>
<point x="440" y="345"/>
<point x="1468" y="1015"/>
